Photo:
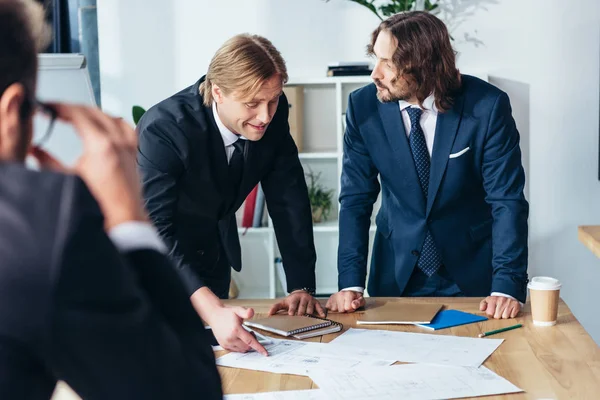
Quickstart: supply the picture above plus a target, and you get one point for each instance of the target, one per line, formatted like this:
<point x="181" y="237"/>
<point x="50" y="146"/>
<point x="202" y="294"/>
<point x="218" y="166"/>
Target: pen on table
<point x="508" y="328"/>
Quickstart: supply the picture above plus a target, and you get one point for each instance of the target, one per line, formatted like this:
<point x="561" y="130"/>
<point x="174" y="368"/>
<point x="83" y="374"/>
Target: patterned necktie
<point x="236" y="165"/>
<point x="429" y="260"/>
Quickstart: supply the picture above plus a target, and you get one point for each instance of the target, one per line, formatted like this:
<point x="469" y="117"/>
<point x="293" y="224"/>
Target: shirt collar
<point x="229" y="137"/>
<point x="428" y="104"/>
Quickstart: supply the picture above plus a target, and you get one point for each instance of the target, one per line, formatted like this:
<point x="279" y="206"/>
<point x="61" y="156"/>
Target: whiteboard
<point x="63" y="78"/>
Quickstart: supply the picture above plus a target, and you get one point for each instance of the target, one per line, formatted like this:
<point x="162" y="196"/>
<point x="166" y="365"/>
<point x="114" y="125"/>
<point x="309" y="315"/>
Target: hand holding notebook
<point x="296" y="326"/>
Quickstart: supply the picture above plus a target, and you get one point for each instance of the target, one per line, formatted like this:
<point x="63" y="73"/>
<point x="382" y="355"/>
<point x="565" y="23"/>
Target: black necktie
<point x="236" y="165"/>
<point x="429" y="260"/>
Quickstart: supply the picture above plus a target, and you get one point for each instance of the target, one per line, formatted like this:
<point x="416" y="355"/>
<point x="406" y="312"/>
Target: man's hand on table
<point x="299" y="302"/>
<point x="345" y="301"/>
<point x="226" y="322"/>
<point x="500" y="307"/>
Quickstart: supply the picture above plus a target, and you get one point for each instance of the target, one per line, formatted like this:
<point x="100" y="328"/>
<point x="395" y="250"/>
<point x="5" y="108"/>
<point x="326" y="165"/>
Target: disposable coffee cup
<point x="544" y="294"/>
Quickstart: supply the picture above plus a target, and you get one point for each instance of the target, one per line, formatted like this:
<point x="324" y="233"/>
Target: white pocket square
<point x="460" y="153"/>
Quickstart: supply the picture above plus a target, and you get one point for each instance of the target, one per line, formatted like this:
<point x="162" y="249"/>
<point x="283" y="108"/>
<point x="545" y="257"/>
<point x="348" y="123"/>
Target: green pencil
<point x="508" y="328"/>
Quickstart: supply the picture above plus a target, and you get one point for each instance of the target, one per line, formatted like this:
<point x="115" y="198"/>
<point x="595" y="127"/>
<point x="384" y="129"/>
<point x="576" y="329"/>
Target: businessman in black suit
<point x="104" y="313"/>
<point x="201" y="152"/>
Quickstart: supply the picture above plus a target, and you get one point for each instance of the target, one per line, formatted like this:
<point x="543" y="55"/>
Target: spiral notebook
<point x="296" y="326"/>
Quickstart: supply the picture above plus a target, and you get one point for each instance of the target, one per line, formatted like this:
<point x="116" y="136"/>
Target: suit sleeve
<point x="359" y="191"/>
<point x="161" y="160"/>
<point x="123" y="326"/>
<point x="286" y="194"/>
<point x="504" y="180"/>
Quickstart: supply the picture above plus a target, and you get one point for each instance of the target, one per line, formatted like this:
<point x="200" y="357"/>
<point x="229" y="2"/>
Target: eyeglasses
<point x="44" y="119"/>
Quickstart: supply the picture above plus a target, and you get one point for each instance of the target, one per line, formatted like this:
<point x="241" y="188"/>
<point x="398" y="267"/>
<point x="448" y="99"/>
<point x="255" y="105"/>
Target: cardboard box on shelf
<point x="295" y="97"/>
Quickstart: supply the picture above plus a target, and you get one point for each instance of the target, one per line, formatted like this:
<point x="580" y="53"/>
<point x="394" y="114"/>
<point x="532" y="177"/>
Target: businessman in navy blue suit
<point x="453" y="217"/>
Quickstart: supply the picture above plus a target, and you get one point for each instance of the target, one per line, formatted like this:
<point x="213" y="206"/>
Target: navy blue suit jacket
<point x="475" y="207"/>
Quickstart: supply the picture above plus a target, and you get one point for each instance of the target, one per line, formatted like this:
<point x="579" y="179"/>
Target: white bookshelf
<point x="325" y="101"/>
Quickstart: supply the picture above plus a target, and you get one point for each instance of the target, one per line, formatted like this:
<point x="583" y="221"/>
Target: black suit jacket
<point x="73" y="308"/>
<point x="184" y="172"/>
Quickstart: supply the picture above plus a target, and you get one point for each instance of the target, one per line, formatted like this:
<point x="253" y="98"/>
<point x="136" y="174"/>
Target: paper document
<point x="297" y="358"/>
<point x="411" y="381"/>
<point x="310" y="394"/>
<point x="413" y="347"/>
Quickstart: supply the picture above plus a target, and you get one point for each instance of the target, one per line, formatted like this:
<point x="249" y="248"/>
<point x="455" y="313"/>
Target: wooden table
<point x="590" y="236"/>
<point x="559" y="362"/>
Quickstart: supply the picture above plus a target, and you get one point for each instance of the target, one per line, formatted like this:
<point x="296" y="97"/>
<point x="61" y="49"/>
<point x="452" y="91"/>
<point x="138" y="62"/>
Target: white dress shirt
<point x="136" y="235"/>
<point x="428" y="120"/>
<point x="428" y="123"/>
<point x="229" y="138"/>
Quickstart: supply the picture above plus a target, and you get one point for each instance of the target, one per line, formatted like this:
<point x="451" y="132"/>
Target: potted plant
<point x="136" y="113"/>
<point x="391" y="7"/>
<point x="320" y="197"/>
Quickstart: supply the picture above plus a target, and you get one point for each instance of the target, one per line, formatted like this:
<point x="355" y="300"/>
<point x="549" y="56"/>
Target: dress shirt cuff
<point x="505" y="295"/>
<point x="354" y="289"/>
<point x="136" y="235"/>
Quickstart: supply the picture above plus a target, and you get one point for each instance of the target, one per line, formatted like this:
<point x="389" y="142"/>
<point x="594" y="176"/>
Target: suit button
<point x="200" y="252"/>
<point x="415" y="253"/>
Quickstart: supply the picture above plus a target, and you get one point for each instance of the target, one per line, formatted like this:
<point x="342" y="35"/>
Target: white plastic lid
<point x="544" y="283"/>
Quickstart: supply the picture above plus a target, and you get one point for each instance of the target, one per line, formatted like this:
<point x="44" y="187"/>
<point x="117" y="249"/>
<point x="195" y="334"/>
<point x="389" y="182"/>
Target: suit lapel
<point x="396" y="135"/>
<point x="219" y="158"/>
<point x="221" y="166"/>
<point x="445" y="133"/>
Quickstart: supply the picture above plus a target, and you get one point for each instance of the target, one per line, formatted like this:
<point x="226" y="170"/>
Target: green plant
<point x="137" y="112"/>
<point x="392" y="7"/>
<point x="320" y="198"/>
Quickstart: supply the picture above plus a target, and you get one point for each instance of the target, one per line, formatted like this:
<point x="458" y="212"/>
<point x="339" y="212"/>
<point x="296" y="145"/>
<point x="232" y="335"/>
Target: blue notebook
<point x="449" y="318"/>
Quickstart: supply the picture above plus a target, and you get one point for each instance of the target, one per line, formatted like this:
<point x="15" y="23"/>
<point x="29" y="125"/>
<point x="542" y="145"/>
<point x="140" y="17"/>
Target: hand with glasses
<point x="108" y="163"/>
<point x="50" y="114"/>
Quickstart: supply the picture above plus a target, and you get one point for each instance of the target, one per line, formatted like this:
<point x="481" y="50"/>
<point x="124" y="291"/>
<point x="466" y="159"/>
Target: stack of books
<point x="356" y="68"/>
<point x="252" y="213"/>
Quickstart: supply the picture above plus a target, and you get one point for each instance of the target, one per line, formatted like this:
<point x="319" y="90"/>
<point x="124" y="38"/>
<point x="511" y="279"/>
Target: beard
<point x="392" y="93"/>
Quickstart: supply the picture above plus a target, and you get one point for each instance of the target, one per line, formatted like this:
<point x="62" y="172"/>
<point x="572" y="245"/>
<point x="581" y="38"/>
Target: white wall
<point x="552" y="48"/>
<point x="544" y="53"/>
<point x="151" y="48"/>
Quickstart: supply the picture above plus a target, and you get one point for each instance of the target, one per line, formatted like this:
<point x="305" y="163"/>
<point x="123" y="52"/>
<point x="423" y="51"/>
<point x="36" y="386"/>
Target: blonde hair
<point x="242" y="64"/>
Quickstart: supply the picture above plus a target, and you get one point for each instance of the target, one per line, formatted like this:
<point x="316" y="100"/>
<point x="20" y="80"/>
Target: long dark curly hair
<point x="424" y="53"/>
